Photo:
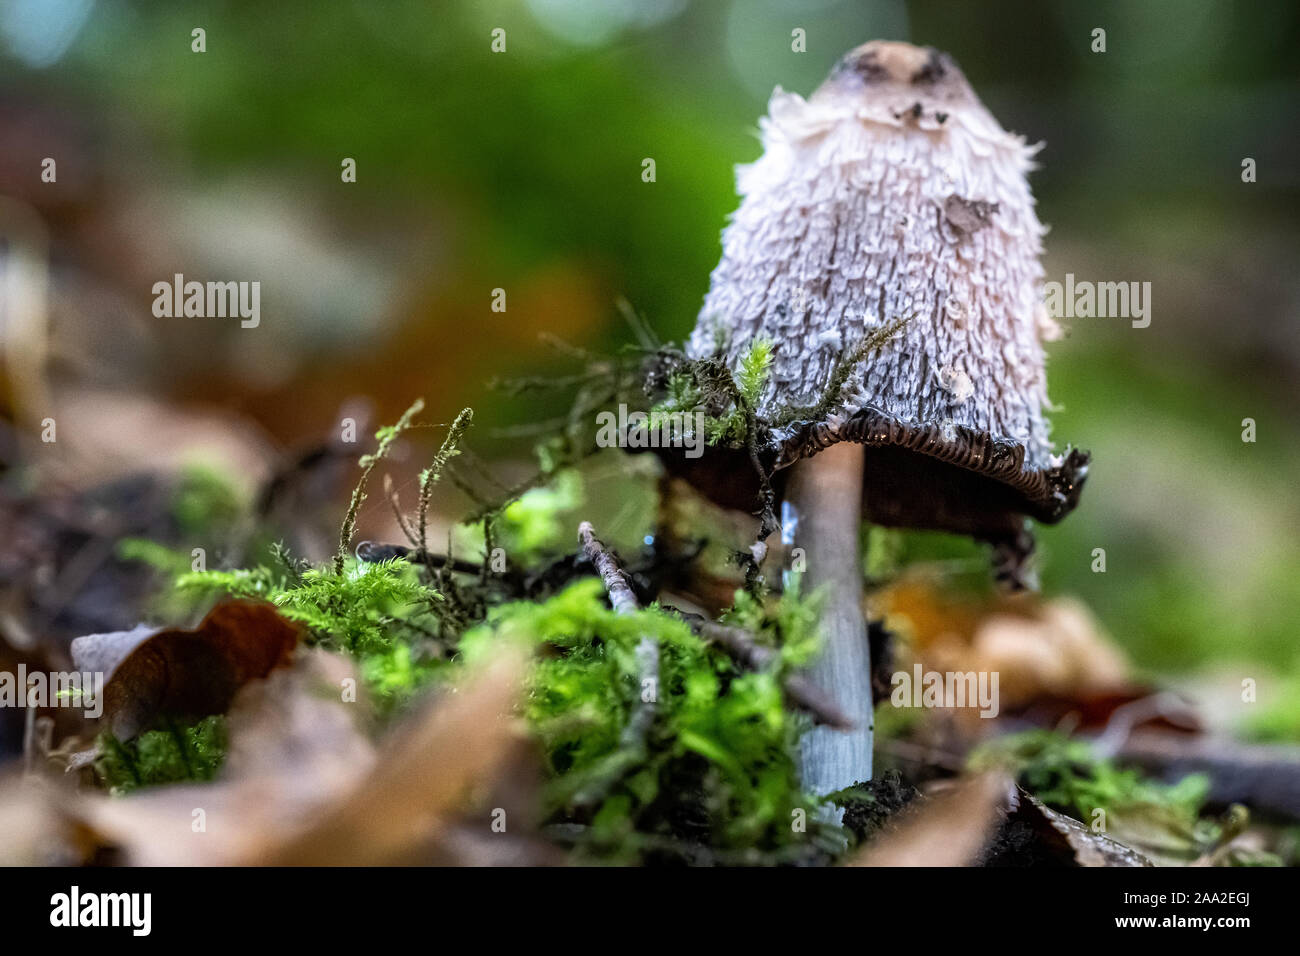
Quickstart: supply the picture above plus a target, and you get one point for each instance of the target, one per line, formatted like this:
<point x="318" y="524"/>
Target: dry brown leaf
<point x="470" y="844"/>
<point x="148" y="671"/>
<point x="1066" y="835"/>
<point x="1061" y="650"/>
<point x="303" y="785"/>
<point x="947" y="829"/>
<point x="106" y="434"/>
<point x="1040" y="649"/>
<point x="420" y="779"/>
<point x="294" y="745"/>
<point x="33" y="829"/>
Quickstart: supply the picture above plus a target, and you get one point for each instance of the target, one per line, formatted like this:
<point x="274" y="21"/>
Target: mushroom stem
<point x="825" y="493"/>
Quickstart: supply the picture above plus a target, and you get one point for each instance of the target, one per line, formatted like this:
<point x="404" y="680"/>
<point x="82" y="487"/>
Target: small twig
<point x="560" y="346"/>
<point x="766" y="496"/>
<point x="1264" y="777"/>
<point x="470" y="491"/>
<point x="473" y="462"/>
<point x="372" y="552"/>
<point x="923" y="755"/>
<point x="621" y="596"/>
<point x="514" y="493"/>
<point x="402" y="523"/>
<point x="29" y="735"/>
<point x="489" y="545"/>
<point x="645" y="335"/>
<point x="519" y="386"/>
<point x="748" y="653"/>
<point x="1128" y="717"/>
<point x="623" y="599"/>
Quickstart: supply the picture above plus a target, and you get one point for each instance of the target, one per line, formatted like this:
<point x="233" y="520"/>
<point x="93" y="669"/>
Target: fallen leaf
<point x="304" y="786"/>
<point x="33" y="830"/>
<point x="417" y="784"/>
<point x="150" y="671"/>
<point x="947" y="829"/>
<point x="1070" y="838"/>
<point x="294" y="745"/>
<point x="1041" y="650"/>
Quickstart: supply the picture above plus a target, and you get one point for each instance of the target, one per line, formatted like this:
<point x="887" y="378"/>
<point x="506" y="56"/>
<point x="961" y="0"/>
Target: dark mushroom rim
<point x="1047" y="494"/>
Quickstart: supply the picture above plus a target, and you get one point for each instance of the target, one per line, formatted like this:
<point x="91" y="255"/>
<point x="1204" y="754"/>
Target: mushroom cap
<point x="893" y="194"/>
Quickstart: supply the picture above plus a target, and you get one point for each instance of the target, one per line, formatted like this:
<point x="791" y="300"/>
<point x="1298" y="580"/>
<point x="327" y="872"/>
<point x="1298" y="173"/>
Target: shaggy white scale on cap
<point x="891" y="193"/>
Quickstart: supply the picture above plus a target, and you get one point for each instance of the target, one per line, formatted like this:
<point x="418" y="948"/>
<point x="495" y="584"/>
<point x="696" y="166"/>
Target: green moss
<point x="161" y="558"/>
<point x="728" y="401"/>
<point x="365" y="610"/>
<point x="718" y="769"/>
<point x="385" y="437"/>
<point x="1064" y="773"/>
<point x="534" y="525"/>
<point x="204" y="502"/>
<point x="713" y="779"/>
<point x="174" y="753"/>
<point x="395" y="675"/>
<point x="789" y="625"/>
<point x="1161" y="821"/>
<point x="1278" y="722"/>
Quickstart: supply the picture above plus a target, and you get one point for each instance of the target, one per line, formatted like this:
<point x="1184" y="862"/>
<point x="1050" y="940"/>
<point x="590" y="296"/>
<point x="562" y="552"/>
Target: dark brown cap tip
<point x="888" y="62"/>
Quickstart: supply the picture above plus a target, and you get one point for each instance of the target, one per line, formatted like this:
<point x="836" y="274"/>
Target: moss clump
<point x="716" y="774"/>
<point x="382" y="614"/>
<point x="173" y="753"/>
<point x="789" y="625"/>
<point x="204" y="502"/>
<point x="1065" y="774"/>
<point x="711" y="778"/>
<point x="364" y="610"/>
<point x="395" y="675"/>
<point x="729" y="402"/>
<point x="529" y="527"/>
<point x="1278" y="722"/>
<point x="1161" y="821"/>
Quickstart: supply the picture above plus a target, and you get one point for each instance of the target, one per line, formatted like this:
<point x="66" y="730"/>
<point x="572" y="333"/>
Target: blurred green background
<point x="522" y="171"/>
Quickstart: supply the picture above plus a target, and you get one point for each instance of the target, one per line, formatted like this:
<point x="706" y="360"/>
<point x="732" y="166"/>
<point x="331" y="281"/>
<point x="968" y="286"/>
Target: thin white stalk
<point x="825" y="496"/>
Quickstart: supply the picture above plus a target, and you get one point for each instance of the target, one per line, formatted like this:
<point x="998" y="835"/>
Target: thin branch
<point x="471" y="461"/>
<point x="621" y="596"/>
<point x="567" y="349"/>
<point x="645" y="335"/>
<point x="538" y="383"/>
<point x="464" y="484"/>
<point x="748" y="653"/>
<point x="736" y="642"/>
<point x="623" y="599"/>
<point x="391" y="493"/>
<point x="372" y="552"/>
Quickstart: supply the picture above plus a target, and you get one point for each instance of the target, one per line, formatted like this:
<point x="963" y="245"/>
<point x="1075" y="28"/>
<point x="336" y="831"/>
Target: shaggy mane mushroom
<point x="891" y="195"/>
